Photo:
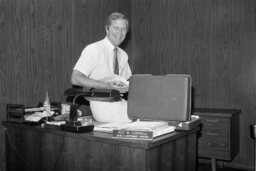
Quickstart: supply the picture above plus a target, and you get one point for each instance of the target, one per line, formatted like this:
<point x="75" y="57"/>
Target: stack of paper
<point x="108" y="127"/>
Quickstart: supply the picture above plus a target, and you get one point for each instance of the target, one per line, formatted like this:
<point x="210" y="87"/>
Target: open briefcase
<point x="166" y="98"/>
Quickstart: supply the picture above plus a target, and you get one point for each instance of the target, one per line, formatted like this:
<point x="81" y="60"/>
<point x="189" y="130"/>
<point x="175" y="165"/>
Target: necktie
<point x="116" y="67"/>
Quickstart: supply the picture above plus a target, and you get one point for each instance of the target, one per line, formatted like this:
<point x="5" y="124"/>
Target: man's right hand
<point x="118" y="85"/>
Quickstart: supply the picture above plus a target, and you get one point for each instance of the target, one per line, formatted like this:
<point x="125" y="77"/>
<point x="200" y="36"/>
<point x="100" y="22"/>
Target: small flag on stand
<point x="47" y="104"/>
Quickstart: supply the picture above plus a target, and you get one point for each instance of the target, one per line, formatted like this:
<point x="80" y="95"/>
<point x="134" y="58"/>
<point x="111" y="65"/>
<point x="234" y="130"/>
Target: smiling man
<point x="104" y="59"/>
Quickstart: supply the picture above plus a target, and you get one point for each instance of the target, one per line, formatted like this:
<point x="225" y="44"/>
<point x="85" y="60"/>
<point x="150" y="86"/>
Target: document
<point x="35" y="117"/>
<point x="116" y="79"/>
<point x="109" y="127"/>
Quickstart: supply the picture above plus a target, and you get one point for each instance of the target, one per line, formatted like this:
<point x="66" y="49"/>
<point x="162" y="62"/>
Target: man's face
<point x="117" y="31"/>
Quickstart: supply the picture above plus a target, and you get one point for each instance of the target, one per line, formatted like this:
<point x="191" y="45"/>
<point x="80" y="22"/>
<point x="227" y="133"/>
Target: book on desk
<point x="144" y="130"/>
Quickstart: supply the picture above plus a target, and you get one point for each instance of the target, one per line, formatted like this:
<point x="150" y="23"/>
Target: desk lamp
<point x="73" y="124"/>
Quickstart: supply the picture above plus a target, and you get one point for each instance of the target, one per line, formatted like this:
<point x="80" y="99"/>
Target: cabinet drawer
<point x="211" y="121"/>
<point x="214" y="140"/>
<point x="214" y="148"/>
<point x="214" y="132"/>
<point x="215" y="126"/>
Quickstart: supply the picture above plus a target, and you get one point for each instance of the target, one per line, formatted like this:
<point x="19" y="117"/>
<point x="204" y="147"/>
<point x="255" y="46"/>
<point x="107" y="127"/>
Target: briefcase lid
<point x="158" y="97"/>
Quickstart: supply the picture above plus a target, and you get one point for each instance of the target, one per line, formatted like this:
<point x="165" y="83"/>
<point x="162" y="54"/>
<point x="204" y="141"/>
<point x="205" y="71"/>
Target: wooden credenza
<point x="219" y="136"/>
<point x="30" y="148"/>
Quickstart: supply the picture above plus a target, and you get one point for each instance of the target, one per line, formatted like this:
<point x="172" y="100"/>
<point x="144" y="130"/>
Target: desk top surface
<point x="104" y="137"/>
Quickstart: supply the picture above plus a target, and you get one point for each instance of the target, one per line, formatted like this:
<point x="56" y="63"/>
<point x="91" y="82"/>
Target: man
<point x="97" y="61"/>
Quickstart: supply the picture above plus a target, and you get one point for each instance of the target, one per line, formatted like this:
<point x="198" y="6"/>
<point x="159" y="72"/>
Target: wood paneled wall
<point x="214" y="41"/>
<point x="40" y="42"/>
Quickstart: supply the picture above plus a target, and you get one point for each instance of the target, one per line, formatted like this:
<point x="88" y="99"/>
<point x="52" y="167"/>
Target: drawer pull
<point x="211" y="133"/>
<point x="212" y="120"/>
<point x="222" y="145"/>
<point x="205" y="142"/>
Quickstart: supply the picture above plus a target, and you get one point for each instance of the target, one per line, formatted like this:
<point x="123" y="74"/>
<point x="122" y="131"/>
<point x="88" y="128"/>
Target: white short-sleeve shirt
<point x="96" y="62"/>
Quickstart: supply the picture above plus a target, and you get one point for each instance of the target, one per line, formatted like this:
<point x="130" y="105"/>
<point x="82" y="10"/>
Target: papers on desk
<point x="109" y="127"/>
<point x="116" y="78"/>
<point x="143" y="130"/>
<point x="145" y="125"/>
<point x="37" y="116"/>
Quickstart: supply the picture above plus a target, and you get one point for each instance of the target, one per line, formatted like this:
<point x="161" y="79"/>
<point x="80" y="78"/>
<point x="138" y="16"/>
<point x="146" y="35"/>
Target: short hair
<point x="115" y="16"/>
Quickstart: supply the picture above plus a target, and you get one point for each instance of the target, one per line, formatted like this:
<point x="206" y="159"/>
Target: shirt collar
<point x="110" y="46"/>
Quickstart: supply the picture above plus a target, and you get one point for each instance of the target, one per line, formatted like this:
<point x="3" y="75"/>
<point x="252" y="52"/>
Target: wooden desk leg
<point x="213" y="164"/>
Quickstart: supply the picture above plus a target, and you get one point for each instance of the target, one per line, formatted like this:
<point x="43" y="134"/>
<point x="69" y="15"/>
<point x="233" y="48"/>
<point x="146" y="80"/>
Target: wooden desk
<point x="31" y="148"/>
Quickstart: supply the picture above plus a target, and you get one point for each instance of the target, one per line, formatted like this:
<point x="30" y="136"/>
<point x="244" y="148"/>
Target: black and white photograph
<point x="127" y="85"/>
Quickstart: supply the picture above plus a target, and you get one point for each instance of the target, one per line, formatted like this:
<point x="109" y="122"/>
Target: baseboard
<point x="239" y="166"/>
<point x="228" y="164"/>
